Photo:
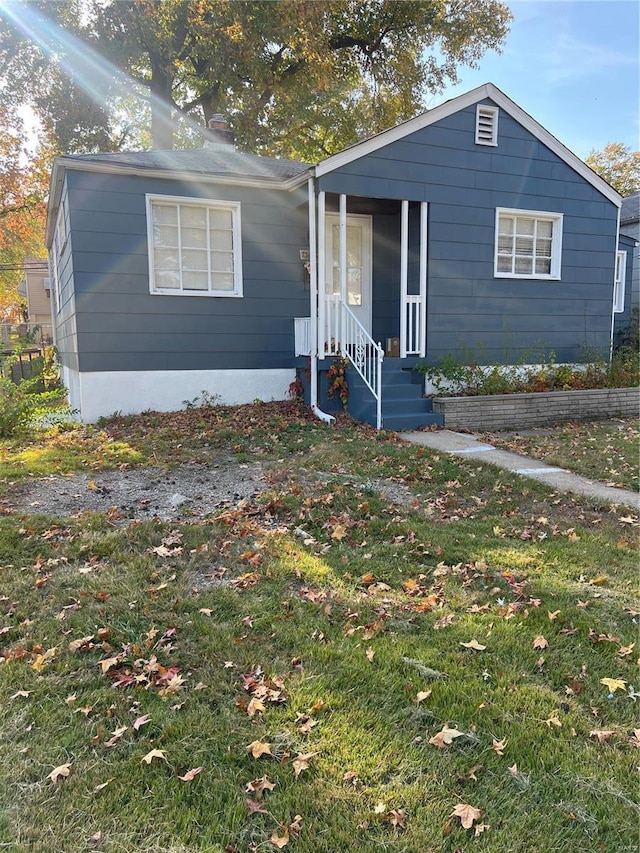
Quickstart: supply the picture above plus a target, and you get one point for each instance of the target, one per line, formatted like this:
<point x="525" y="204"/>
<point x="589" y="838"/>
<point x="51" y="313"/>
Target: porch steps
<point x="403" y="404"/>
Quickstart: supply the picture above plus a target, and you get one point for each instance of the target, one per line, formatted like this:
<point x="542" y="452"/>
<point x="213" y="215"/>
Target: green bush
<point x="452" y="378"/>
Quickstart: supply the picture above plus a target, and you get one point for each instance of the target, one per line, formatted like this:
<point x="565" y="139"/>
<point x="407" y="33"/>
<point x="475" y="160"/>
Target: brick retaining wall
<point x="518" y="411"/>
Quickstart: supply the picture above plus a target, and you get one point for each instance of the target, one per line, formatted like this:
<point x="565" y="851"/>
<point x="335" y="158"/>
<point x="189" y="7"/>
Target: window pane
<point x="526" y="226"/>
<point x="195" y="238"/>
<point x="545" y="229"/>
<point x="167" y="280"/>
<point x="195" y="281"/>
<point x="165" y="235"/>
<point x="543" y="266"/>
<point x="543" y="248"/>
<point x="524" y="245"/>
<point x="505" y="244"/>
<point x="194" y="259"/>
<point x="336" y="281"/>
<point x="220" y="219"/>
<point x="164" y="214"/>
<point x="222" y="262"/>
<point x="193" y="217"/>
<point x="354" y="287"/>
<point x="166" y="259"/>
<point x="506" y="225"/>
<point x="222" y="240"/>
<point x="504" y="264"/>
<point x="335" y="243"/>
<point x="354" y="246"/>
<point x="221" y="281"/>
<point x="524" y="266"/>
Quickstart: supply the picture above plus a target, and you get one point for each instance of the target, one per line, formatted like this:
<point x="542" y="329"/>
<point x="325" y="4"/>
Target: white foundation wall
<point x="101" y="394"/>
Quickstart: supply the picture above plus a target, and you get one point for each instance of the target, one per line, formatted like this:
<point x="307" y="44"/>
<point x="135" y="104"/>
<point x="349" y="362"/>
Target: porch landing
<point x="403" y="404"/>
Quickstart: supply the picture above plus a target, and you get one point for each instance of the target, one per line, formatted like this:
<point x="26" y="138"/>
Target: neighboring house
<point x="467" y="229"/>
<point x="630" y="227"/>
<point x="35" y="289"/>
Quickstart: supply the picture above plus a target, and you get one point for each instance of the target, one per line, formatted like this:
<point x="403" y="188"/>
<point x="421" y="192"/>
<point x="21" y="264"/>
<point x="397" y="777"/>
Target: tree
<point x="295" y="77"/>
<point x="23" y="188"/>
<point x="618" y="165"/>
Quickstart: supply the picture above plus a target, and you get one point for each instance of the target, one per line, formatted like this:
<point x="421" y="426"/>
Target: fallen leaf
<point x="499" y="745"/>
<point x="553" y="615"/>
<point x="190" y="775"/>
<point x="302" y="762"/>
<point x="480" y="828"/>
<point x="445" y="737"/>
<point x="467" y="814"/>
<point x="380" y="808"/>
<point x="21" y="694"/>
<point x="370" y="654"/>
<point x="154" y="753"/>
<point x="474" y="644"/>
<point x="553" y="721"/>
<point x="60" y="772"/>
<point x="260" y="785"/>
<point x="602" y="735"/>
<point x="141" y="721"/>
<point x="91" y="485"/>
<point x="254" y="807"/>
<point x="101" y="786"/>
<point x="279" y="841"/>
<point x="471" y="773"/>
<point x="613" y="684"/>
<point x="540" y="642"/>
<point x="422" y="695"/>
<point x="257" y="748"/>
<point x="397" y="818"/>
<point x="206" y="611"/>
<point x="255" y="706"/>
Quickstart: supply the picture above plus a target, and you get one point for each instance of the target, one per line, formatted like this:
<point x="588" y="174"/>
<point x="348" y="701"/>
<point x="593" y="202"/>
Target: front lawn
<point x="608" y="451"/>
<point x="388" y="650"/>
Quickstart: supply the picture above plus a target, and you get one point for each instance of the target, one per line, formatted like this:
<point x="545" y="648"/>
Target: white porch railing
<point x="345" y="335"/>
<point x="413" y="320"/>
<point x="302" y="335"/>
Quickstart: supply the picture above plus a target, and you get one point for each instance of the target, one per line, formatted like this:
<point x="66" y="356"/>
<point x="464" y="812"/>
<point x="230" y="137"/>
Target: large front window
<point x="528" y="244"/>
<point x="194" y="247"/>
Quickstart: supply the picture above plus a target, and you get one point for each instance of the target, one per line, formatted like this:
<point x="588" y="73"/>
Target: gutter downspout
<point x="613" y="297"/>
<point x="313" y="277"/>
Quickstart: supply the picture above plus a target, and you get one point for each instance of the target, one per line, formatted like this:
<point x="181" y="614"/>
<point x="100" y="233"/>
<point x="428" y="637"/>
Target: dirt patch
<point x="190" y="491"/>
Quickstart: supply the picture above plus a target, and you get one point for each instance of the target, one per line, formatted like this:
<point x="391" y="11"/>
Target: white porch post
<point x="424" y="209"/>
<point x="313" y="292"/>
<point x="404" y="268"/>
<point x="343" y="264"/>
<point x="321" y="279"/>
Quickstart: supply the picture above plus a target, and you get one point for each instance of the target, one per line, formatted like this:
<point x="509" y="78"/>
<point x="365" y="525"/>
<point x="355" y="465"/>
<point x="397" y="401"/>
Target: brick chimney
<point x="218" y="136"/>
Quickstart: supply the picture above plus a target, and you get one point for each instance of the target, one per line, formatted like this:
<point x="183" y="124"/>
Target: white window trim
<point x="556" y="243"/>
<point x="619" y="282"/>
<point x="234" y="206"/>
<point x="484" y="112"/>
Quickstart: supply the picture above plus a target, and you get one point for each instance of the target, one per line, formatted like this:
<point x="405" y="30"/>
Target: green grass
<point x="608" y="451"/>
<point x="337" y="635"/>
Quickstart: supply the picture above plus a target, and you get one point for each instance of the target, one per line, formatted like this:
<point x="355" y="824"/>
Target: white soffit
<point x="487" y="90"/>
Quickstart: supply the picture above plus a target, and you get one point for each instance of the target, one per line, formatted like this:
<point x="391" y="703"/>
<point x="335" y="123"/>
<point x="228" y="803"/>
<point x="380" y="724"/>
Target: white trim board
<point x="100" y="394"/>
<point x="487" y="90"/>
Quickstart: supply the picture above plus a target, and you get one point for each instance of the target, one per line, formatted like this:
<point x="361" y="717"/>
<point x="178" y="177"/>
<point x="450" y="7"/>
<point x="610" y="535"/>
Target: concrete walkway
<point x="461" y="444"/>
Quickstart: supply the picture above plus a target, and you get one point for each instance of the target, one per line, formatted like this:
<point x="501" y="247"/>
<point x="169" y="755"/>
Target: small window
<point x="194" y="247"/>
<point x="486" y="125"/>
<point x="619" y="283"/>
<point x="528" y="244"/>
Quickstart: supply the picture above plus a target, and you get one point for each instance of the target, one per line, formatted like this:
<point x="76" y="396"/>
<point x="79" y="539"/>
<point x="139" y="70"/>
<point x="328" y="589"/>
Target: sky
<point x="573" y="65"/>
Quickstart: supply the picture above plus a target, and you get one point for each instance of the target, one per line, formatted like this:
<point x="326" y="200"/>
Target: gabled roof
<point x="214" y="162"/>
<point x="630" y="210"/>
<point x="487" y="90"/>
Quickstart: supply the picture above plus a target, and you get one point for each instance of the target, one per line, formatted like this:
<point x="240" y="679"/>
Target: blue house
<point x="467" y="228"/>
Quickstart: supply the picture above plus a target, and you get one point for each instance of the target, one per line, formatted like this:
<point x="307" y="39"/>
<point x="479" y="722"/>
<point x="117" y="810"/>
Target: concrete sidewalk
<point x="461" y="444"/>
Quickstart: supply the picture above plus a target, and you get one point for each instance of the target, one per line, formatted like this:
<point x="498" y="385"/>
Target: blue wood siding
<point x="122" y="326"/>
<point x="469" y="311"/>
<point x="66" y="337"/>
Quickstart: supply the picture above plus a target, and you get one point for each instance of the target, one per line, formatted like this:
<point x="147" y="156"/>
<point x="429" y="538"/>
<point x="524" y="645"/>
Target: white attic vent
<point x="486" y="125"/>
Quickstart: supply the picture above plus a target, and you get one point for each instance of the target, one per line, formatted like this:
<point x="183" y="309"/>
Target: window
<point x="528" y="244"/>
<point x="194" y="247"/>
<point x="486" y="125"/>
<point x="619" y="283"/>
<point x="55" y="257"/>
